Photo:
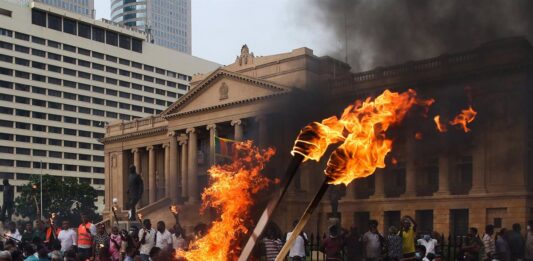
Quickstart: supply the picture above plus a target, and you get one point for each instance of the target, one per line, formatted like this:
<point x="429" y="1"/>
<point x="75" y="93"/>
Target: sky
<point x="221" y="27"/>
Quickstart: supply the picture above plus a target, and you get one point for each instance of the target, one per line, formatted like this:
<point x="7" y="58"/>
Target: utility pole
<point x="41" y="186"/>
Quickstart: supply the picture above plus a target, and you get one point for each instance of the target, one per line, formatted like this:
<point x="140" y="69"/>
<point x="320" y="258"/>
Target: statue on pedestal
<point x="135" y="191"/>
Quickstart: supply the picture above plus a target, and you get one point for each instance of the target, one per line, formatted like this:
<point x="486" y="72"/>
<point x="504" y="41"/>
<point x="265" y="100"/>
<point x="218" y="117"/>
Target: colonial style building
<point x="447" y="181"/>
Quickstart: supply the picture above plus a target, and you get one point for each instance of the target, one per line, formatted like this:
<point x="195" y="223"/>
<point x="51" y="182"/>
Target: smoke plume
<point x="386" y="32"/>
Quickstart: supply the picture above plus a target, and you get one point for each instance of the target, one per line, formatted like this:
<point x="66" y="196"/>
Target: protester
<point x="503" y="250"/>
<point x="163" y="237"/>
<point x="86" y="232"/>
<point x="147" y="240"/>
<point x="8" y="200"/>
<point x="67" y="236"/>
<point x="130" y="254"/>
<point x="333" y="244"/>
<point x="394" y="245"/>
<point x="488" y="242"/>
<point x="516" y="242"/>
<point x="28" y="235"/>
<point x="297" y="251"/>
<point x="13" y="232"/>
<point x="407" y="232"/>
<point x="372" y="242"/>
<point x="115" y="244"/>
<point x="178" y="239"/>
<point x="429" y="243"/>
<point x="473" y="244"/>
<point x="272" y="243"/>
<point x="420" y="253"/>
<point x="101" y="239"/>
<point x="528" y="247"/>
<point x="353" y="246"/>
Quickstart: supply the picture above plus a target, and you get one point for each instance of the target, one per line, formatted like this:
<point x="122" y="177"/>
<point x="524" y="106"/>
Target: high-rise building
<point x="168" y="22"/>
<point x="63" y="77"/>
<point x="83" y="7"/>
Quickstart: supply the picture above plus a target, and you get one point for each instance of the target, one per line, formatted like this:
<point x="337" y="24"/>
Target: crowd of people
<point x="49" y="241"/>
<point x="406" y="243"/>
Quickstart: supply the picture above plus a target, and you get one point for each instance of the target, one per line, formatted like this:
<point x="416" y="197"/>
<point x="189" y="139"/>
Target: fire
<point x="140" y="216"/>
<point x="464" y="118"/>
<point x="361" y="128"/>
<point x="231" y="190"/>
<point x="419" y="135"/>
<point x="174" y="209"/>
<point x="440" y="127"/>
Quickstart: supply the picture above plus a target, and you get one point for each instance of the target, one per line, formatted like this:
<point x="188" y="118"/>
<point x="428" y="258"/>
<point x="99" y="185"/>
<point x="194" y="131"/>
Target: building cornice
<point x="136" y="134"/>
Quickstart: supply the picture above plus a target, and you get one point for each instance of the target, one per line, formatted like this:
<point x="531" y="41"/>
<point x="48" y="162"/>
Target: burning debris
<point x="462" y="120"/>
<point x="232" y="188"/>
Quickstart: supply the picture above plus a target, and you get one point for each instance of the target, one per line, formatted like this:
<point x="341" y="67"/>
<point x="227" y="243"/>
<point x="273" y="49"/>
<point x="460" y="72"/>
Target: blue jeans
<point x="145" y="257"/>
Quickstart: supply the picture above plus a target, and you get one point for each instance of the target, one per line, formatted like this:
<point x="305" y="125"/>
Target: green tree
<point x="64" y="196"/>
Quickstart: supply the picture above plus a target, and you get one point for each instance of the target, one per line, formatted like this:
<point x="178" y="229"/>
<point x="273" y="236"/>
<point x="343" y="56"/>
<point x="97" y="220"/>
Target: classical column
<point x="237" y="124"/>
<point x="379" y="189"/>
<point x="212" y="132"/>
<point x="479" y="185"/>
<point x="182" y="139"/>
<point x="172" y="181"/>
<point x="193" y="166"/>
<point x="444" y="175"/>
<point x="262" y="129"/>
<point x="137" y="159"/>
<point x="108" y="181"/>
<point x="410" y="167"/>
<point x="151" y="175"/>
<point x="166" y="183"/>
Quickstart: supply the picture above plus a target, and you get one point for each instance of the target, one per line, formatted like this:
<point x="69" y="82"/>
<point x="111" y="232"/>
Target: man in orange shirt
<point x="86" y="232"/>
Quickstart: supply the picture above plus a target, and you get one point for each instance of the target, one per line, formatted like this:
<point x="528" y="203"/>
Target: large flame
<point x="361" y="128"/>
<point x="464" y="118"/>
<point x="231" y="190"/>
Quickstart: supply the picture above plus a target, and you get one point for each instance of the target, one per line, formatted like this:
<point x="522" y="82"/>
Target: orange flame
<point x="231" y="190"/>
<point x="464" y="118"/>
<point x="440" y="127"/>
<point x="419" y="135"/>
<point x="174" y="209"/>
<point x="361" y="128"/>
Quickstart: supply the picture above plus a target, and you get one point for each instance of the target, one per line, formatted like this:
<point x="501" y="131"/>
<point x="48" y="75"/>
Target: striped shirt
<point x="272" y="248"/>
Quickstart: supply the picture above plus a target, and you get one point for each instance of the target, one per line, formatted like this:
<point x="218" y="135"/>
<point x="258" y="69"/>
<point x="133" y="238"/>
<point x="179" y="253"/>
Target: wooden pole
<point x="303" y="220"/>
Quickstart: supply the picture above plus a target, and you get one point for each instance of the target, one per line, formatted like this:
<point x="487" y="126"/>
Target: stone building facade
<point x="447" y="182"/>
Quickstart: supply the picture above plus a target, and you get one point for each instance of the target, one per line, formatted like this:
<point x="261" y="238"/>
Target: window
<point x="69" y="60"/>
<point x="38" y="115"/>
<point x="54" y="44"/>
<point x="171" y="74"/>
<point x="7" y="85"/>
<point x="84" y="98"/>
<point x="22" y="36"/>
<point x="84" y="145"/>
<point x="23" y="151"/>
<point x="4" y="149"/>
<point x="6" y="136"/>
<point x="6" y="97"/>
<point x="23" y="138"/>
<point x="6" y="71"/>
<point x="83" y="86"/>
<point x="41" y="153"/>
<point x="20" y="61"/>
<point x="70" y="72"/>
<point x="7" y="58"/>
<point x="98" y="66"/>
<point x="148" y="68"/>
<point x="38" y="165"/>
<point x="6" y="110"/>
<point x="69" y="26"/>
<point x="69" y="48"/>
<point x="160" y="102"/>
<point x="4" y="123"/>
<point x="98" y="34"/>
<point x="53" y="166"/>
<point x="111" y="103"/>
<point x="67" y="131"/>
<point x="39" y="140"/>
<point x="171" y="84"/>
<point x="111" y="80"/>
<point x="111" y="38"/>
<point x="84" y="133"/>
<point x="22" y="87"/>
<point x="125" y="42"/>
<point x="54" y="56"/>
<point x="160" y="92"/>
<point x="137" y="108"/>
<point x="55" y="154"/>
<point x="124" y="62"/>
<point x="22" y="125"/>
<point x="148" y="89"/>
<point x="38" y="52"/>
<point x="136" y="86"/>
<point x="38" y="127"/>
<point x="54" y="117"/>
<point x="136" y="65"/>
<point x="68" y="143"/>
<point x="55" y="142"/>
<point x="98" y="89"/>
<point x="137" y="76"/>
<point x="124" y="95"/>
<point x="98" y="112"/>
<point x="98" y="55"/>
<point x="111" y="69"/>
<point x="124" y="84"/>
<point x="38" y="17"/>
<point x="84" y="63"/>
<point x="84" y="75"/>
<point x="136" y="45"/>
<point x="54" y="68"/>
<point x="84" y="122"/>
<point x="22" y="49"/>
<point x="124" y="73"/>
<point x="55" y="81"/>
<point x="148" y="99"/>
<point x="69" y="95"/>
<point x="5" y="45"/>
<point x="69" y="119"/>
<point x="38" y="40"/>
<point x="124" y="106"/>
<point x="23" y="164"/>
<point x="23" y="100"/>
<point x="54" y="22"/>
<point x="72" y="108"/>
<point x="98" y="78"/>
<point x="98" y="181"/>
<point x="38" y="65"/>
<point x="52" y="129"/>
<point x="97" y="135"/>
<point x="37" y="102"/>
<point x="6" y="32"/>
<point x="84" y="110"/>
<point x="84" y="30"/>
<point x="148" y="78"/>
<point x="148" y="110"/>
<point x="37" y="77"/>
<point x="69" y="167"/>
<point x="110" y="114"/>
<point x="84" y="51"/>
<point x="26" y="75"/>
<point x="55" y="94"/>
<point x="182" y="87"/>
<point x="98" y="101"/>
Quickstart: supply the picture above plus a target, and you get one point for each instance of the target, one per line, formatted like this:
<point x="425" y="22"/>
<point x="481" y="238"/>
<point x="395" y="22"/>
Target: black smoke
<point x="387" y="32"/>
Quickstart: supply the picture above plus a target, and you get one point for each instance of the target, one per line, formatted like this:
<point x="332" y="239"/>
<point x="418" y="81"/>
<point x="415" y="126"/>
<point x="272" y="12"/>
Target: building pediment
<point x="223" y="88"/>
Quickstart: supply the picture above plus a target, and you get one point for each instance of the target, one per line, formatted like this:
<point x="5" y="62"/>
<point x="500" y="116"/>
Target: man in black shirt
<point x="7" y="207"/>
<point x="135" y="191"/>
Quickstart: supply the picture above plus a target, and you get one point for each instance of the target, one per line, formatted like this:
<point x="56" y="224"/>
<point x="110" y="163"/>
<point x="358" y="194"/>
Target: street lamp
<point x="41" y="186"/>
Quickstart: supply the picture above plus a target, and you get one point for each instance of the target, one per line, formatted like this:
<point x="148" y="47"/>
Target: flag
<point x="223" y="148"/>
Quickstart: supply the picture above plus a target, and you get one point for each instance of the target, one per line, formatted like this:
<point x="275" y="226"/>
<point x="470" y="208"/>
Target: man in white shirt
<point x="67" y="236"/>
<point x="297" y="251"/>
<point x="13" y="232"/>
<point x="147" y="240"/>
<point x="488" y="242"/>
<point x="429" y="243"/>
<point x="163" y="238"/>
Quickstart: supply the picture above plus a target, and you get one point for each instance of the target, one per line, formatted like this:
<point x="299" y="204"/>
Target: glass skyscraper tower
<point x="168" y="22"/>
